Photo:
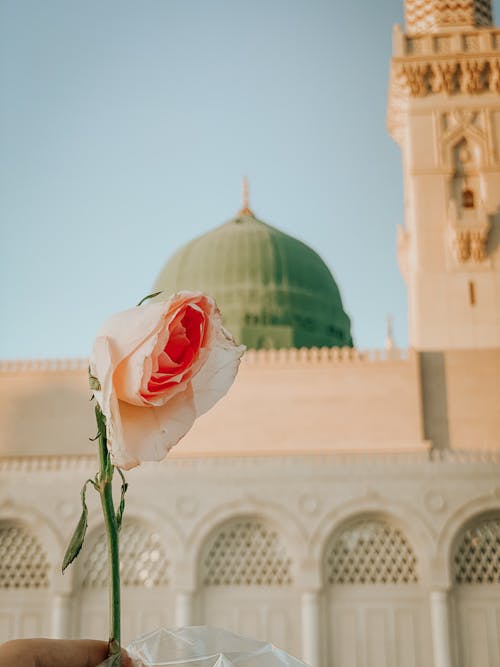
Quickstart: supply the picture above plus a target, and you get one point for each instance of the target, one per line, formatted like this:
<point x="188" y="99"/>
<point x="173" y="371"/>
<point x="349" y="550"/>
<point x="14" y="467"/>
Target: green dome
<point x="272" y="290"/>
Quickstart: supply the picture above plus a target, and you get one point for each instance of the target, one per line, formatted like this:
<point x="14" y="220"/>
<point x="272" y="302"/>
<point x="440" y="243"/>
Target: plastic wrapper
<point x="202" y="646"/>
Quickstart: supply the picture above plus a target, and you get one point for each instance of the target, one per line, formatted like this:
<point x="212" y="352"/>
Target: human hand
<point x="56" y="653"/>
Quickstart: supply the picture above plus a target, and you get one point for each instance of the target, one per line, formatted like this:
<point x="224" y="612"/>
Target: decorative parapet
<point x="37" y="365"/>
<point x="421" y="456"/>
<point x="299" y="356"/>
<point x="323" y="355"/>
<point x="468" y="75"/>
<point x="458" y="62"/>
<point x="482" y="41"/>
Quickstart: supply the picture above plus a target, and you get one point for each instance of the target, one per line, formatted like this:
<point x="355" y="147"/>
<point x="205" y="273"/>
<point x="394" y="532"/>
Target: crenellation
<point x="484" y="41"/>
<point x="43" y="365"/>
<point x="434" y="457"/>
<point x="299" y="356"/>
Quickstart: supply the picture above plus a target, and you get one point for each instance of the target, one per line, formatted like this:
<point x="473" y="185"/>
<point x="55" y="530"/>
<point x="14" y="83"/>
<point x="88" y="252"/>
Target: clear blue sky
<point x="126" y="128"/>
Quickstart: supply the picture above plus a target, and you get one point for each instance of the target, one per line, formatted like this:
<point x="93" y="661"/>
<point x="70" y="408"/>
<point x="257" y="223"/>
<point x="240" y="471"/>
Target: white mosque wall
<point x="386" y="458"/>
<point x="252" y="543"/>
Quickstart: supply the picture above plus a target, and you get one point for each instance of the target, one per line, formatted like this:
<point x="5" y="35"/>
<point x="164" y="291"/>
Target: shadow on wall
<point x="434" y="399"/>
<point x="494" y="235"/>
<point x="51" y="420"/>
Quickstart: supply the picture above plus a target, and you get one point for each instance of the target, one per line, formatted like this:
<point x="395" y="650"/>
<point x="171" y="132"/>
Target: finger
<point x="58" y="653"/>
<point x="78" y="653"/>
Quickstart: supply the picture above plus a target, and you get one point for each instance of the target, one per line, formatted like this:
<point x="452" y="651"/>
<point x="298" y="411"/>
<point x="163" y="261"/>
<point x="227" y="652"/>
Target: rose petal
<point x="217" y="374"/>
<point x="134" y="371"/>
<point x="101" y="366"/>
<point x="147" y="434"/>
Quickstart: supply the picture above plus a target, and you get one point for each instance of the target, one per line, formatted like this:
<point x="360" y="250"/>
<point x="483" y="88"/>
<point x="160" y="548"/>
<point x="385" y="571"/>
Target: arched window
<point x="246" y="552"/>
<point x="142" y="559"/>
<point x="467" y="198"/>
<point x="371" y="551"/>
<point x="477" y="556"/>
<point x="23" y="561"/>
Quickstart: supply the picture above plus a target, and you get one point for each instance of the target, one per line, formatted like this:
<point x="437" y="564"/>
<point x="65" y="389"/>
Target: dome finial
<point x="390" y="344"/>
<point x="245" y="209"/>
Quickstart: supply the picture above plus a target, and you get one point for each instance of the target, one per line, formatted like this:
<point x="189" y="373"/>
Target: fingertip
<point x="126" y="659"/>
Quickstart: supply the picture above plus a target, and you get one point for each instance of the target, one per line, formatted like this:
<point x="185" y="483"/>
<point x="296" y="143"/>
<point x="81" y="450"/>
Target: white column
<point x="441" y="636"/>
<point x="311" y="636"/>
<point x="62" y="616"/>
<point x="184" y="608"/>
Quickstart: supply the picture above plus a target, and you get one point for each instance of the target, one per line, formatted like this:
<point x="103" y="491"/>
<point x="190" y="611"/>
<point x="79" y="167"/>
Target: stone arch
<point x="23" y="560"/>
<point x="475" y="604"/>
<point x="147" y="574"/>
<point x="162" y="522"/>
<point x="29" y="566"/>
<point x="284" y="522"/>
<point x="252" y="555"/>
<point x="364" y="611"/>
<point x="370" y="549"/>
<point x="144" y="549"/>
<point x="476" y="556"/>
<point x="245" y="550"/>
<point x="458" y="522"/>
<point x="419" y="534"/>
<point x="471" y="136"/>
<point x="40" y="527"/>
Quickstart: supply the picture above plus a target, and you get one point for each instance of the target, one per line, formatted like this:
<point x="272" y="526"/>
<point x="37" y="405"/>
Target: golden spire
<point x="245" y="209"/>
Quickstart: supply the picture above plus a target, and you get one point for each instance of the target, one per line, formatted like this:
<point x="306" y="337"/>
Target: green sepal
<point x="76" y="541"/>
<point x="106" y="467"/>
<point x="114" y="657"/>
<point x="149" y="296"/>
<point x="121" y="507"/>
<point x="94" y="383"/>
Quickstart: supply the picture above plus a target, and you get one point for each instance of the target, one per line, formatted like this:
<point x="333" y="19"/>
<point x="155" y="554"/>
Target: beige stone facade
<point x="444" y="111"/>
<point x="287" y="401"/>
<point x="343" y="504"/>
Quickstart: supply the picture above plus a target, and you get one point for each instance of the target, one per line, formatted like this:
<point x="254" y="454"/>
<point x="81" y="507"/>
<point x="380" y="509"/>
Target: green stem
<point x="112" y="532"/>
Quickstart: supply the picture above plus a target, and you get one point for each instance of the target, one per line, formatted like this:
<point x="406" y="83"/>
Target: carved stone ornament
<point x="467" y="75"/>
<point x="446" y="78"/>
<point x="309" y="504"/>
<point x="434" y="501"/>
<point x="469" y="238"/>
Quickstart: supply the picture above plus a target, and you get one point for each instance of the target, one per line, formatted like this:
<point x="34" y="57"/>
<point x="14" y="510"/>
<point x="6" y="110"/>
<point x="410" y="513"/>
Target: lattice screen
<point x="371" y="552"/>
<point x="477" y="557"/>
<point x="23" y="561"/>
<point x="431" y="15"/>
<point x="142" y="559"/>
<point x="246" y="553"/>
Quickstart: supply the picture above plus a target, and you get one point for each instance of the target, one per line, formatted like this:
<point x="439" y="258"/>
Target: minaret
<point x="444" y="112"/>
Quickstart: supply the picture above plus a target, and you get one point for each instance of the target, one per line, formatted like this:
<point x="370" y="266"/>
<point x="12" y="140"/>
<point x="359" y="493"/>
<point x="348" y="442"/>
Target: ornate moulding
<point x="469" y="236"/>
<point x="462" y="62"/>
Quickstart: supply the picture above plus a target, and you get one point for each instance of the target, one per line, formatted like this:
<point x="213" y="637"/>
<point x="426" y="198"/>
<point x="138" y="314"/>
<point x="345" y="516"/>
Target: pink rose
<point x="160" y="365"/>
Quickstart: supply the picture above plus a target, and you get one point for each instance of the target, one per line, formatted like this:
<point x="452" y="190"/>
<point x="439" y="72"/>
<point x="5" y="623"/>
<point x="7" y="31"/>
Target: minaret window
<point x="472" y="293"/>
<point x="468" y="198"/>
